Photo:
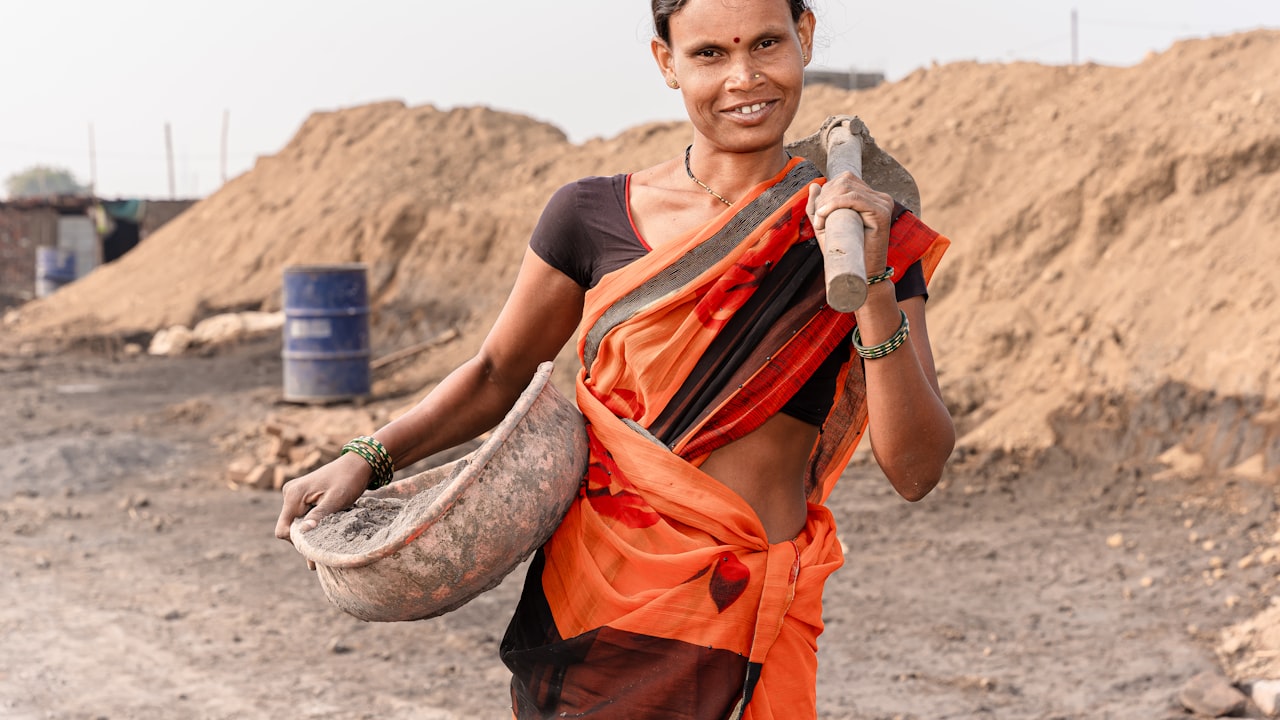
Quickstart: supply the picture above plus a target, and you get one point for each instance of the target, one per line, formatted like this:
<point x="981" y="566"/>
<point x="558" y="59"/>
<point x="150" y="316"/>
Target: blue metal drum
<point x="326" y="333"/>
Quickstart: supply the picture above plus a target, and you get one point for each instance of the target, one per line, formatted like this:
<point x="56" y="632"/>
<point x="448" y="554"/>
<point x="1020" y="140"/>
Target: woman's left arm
<point x="910" y="428"/>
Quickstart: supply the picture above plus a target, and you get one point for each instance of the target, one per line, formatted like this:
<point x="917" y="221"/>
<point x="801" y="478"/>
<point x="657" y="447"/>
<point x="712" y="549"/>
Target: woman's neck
<point x="731" y="175"/>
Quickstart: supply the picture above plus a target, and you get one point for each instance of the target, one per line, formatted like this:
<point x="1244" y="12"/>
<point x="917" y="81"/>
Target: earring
<point x="805" y="57"/>
<point x="673" y="84"/>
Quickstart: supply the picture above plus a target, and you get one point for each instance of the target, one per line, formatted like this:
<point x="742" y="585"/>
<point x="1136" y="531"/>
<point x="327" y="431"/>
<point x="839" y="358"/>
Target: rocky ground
<point x="138" y="584"/>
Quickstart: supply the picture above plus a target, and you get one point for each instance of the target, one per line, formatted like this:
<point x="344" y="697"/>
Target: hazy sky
<point x="129" y="67"/>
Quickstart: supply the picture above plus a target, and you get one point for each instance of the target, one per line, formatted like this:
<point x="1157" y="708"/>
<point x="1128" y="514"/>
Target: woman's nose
<point x="744" y="75"/>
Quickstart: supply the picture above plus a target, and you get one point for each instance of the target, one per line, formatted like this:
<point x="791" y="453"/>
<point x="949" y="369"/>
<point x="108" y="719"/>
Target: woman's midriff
<point x="766" y="468"/>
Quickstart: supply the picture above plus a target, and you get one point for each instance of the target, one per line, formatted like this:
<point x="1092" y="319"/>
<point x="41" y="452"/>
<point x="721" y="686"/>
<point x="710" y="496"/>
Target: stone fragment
<point x="1266" y="695"/>
<point x="277" y="448"/>
<point x="261" y="476"/>
<point x="280" y="476"/>
<point x="313" y="461"/>
<point x="1209" y="693"/>
<point x="239" y="469"/>
<point x="170" y="341"/>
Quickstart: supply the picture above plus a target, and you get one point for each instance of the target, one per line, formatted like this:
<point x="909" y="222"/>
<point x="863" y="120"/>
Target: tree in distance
<point x="43" y="181"/>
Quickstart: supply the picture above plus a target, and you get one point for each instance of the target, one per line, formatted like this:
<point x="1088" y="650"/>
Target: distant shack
<point x="91" y="230"/>
<point x="844" y="79"/>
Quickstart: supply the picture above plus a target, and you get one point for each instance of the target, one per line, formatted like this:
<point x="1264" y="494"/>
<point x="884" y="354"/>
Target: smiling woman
<point x="739" y="66"/>
<point x="721" y="395"/>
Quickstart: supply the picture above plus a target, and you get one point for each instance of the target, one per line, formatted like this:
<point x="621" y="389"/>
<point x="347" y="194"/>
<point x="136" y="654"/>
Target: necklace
<point x="689" y="170"/>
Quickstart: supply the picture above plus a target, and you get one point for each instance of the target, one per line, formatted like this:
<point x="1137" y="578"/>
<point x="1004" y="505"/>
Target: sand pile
<point x="1111" y="288"/>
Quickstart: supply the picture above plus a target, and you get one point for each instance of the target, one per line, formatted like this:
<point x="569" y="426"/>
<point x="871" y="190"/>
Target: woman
<point x="721" y="400"/>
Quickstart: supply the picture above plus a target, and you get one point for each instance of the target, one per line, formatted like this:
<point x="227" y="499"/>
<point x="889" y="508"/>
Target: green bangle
<point x="376" y="456"/>
<point x="378" y="448"/>
<point x="876" y="352"/>
<point x="374" y="453"/>
<point x="881" y="277"/>
<point x="387" y="467"/>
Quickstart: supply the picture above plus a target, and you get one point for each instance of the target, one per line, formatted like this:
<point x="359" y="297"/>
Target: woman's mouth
<point x="752" y="111"/>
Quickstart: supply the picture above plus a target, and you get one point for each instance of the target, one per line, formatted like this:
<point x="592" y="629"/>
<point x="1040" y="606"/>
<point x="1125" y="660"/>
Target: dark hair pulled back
<point x="664" y="9"/>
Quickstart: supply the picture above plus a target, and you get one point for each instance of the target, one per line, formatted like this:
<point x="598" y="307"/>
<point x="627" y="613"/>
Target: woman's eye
<point x="768" y="44"/>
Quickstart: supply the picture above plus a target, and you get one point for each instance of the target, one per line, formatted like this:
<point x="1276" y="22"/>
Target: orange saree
<point x="659" y="595"/>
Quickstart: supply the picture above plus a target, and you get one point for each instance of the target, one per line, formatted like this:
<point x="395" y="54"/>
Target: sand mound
<point x="1251" y="649"/>
<point x="1111" y="287"/>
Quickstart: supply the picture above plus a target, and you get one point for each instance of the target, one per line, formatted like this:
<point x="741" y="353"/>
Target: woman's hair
<point x="664" y="9"/>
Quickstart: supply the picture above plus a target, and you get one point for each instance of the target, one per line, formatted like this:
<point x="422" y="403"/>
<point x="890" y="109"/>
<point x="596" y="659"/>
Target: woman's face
<point x="740" y="65"/>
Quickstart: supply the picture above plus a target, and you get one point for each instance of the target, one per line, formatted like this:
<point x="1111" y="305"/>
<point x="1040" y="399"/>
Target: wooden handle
<point x="844" y="260"/>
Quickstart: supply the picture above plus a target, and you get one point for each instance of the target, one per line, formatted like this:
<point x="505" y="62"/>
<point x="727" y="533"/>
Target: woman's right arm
<point x="540" y="316"/>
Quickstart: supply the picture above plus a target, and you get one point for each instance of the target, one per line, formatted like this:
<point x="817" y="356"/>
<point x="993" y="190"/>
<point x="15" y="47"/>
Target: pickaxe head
<point x="879" y="169"/>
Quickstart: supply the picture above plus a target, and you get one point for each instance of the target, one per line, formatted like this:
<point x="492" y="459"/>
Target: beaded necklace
<point x="692" y="177"/>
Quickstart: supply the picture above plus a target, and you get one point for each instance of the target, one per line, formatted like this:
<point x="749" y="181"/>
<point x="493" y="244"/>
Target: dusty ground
<point x="1080" y="581"/>
<point x="137" y="584"/>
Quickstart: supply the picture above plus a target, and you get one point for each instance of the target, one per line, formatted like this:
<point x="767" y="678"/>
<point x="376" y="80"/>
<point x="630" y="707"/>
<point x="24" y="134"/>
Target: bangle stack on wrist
<point x="876" y="352"/>
<point x="376" y="455"/>
<point x="881" y="277"/>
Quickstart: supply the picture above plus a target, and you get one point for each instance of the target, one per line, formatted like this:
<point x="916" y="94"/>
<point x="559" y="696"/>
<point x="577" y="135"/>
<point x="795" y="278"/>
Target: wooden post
<point x="93" y="165"/>
<point x="1075" y="37"/>
<point x="168" y="147"/>
<point x="226" y="124"/>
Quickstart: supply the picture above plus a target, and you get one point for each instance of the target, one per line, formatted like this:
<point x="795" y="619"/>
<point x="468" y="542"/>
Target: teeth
<point x="751" y="108"/>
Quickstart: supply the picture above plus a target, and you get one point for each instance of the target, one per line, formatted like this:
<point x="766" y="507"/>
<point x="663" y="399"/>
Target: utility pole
<point x="93" y="165"/>
<point x="226" y="124"/>
<point x="1075" y="37"/>
<point x="168" y="148"/>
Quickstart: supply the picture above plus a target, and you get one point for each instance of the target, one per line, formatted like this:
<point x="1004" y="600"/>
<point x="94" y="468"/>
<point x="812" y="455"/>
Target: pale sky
<point x="128" y="67"/>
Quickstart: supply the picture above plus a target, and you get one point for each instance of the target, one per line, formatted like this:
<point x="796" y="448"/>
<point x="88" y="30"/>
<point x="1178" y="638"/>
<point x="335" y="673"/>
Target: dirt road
<point x="137" y="584"/>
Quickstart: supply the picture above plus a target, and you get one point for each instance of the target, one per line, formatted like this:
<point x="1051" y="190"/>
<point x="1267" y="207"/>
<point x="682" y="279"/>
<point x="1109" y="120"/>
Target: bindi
<point x="737" y="40"/>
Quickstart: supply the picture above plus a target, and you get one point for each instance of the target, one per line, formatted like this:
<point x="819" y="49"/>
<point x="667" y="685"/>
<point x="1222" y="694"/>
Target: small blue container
<point x="326" y="333"/>
<point x="55" y="267"/>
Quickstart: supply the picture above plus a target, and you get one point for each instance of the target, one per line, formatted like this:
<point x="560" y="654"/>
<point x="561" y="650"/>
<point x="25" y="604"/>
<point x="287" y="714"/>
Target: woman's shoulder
<point x="579" y="202"/>
<point x="585" y="228"/>
<point x="590" y="188"/>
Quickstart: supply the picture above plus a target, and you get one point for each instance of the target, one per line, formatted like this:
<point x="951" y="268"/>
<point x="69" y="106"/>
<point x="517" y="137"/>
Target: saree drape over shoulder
<point x="659" y="596"/>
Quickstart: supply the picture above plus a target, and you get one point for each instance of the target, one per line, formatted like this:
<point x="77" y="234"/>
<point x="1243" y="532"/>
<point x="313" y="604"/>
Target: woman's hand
<point x="323" y="492"/>
<point x="540" y="316"/>
<point x="847" y="190"/>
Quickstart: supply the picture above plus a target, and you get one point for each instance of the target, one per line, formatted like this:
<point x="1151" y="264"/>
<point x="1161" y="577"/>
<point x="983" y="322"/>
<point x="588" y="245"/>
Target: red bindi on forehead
<point x="737" y="40"/>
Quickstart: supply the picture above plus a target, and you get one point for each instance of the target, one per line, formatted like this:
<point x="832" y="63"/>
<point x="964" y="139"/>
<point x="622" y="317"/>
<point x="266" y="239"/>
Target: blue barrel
<point x="326" y="333"/>
<point x="55" y="267"/>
